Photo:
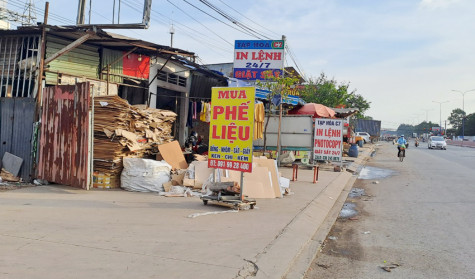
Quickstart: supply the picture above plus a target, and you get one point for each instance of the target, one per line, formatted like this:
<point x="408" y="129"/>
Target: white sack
<point x="144" y="175"/>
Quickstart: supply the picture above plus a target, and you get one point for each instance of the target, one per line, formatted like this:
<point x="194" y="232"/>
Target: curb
<point x="277" y="260"/>
<point x="308" y="254"/>
<point x="291" y="253"/>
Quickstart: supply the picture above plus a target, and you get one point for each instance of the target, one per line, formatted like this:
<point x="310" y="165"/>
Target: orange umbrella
<point x="317" y="110"/>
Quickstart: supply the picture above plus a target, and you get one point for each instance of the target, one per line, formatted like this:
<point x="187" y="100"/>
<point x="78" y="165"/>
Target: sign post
<point x="328" y="140"/>
<point x="231" y="129"/>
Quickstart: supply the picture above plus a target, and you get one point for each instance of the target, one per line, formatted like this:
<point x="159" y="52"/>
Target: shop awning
<point x="290" y="99"/>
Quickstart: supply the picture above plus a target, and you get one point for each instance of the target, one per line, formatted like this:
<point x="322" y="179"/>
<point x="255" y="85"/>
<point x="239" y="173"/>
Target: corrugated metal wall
<point x="16" y="122"/>
<point x="373" y="127"/>
<point x="110" y="56"/>
<point x="64" y="137"/>
<point x="82" y="61"/>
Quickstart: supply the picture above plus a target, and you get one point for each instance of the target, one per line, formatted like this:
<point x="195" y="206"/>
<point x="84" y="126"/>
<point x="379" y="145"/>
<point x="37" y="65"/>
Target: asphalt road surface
<point x="415" y="219"/>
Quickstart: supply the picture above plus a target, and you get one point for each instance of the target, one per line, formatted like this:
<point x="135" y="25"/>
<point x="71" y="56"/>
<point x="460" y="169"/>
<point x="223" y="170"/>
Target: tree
<point x="330" y="93"/>
<point x="276" y="85"/>
<point x="470" y="124"/>
<point x="455" y="119"/>
<point x="405" y="129"/>
<point x="424" y="127"/>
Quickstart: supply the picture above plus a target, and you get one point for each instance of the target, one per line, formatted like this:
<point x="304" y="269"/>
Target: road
<point x="418" y="222"/>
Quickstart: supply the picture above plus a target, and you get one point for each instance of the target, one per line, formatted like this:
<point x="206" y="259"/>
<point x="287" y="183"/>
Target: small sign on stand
<point x="328" y="140"/>
<point x="231" y="137"/>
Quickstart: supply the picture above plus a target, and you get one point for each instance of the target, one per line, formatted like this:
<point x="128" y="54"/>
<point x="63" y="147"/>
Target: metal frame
<point x="18" y="65"/>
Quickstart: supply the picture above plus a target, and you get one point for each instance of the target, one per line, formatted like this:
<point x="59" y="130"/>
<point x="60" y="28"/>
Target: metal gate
<point x="64" y="141"/>
<point x="16" y="122"/>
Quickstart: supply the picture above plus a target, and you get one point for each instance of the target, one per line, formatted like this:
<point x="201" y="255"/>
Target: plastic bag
<point x="144" y="175"/>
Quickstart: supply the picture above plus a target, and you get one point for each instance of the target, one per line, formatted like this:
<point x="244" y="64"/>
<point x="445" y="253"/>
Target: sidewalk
<point x="461" y="143"/>
<point x="62" y="232"/>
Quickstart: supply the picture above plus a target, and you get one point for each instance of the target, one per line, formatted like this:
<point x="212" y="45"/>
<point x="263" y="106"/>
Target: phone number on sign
<point x="230" y="165"/>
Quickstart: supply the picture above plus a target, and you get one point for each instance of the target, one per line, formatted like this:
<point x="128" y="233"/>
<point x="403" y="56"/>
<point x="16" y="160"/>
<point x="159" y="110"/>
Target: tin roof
<point x="101" y="38"/>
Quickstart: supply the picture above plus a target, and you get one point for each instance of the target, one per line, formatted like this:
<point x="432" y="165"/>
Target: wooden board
<point x="270" y="165"/>
<point x="202" y="172"/>
<point x="172" y="154"/>
<point x="257" y="184"/>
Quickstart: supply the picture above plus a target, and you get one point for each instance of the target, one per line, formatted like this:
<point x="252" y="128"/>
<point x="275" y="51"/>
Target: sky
<point x="404" y="56"/>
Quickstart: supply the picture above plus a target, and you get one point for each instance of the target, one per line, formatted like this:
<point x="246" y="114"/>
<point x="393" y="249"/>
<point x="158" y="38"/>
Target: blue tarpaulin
<point x="263" y="93"/>
<point x="290" y="99"/>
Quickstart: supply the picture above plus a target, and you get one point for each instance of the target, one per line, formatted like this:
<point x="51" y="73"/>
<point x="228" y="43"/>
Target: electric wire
<point x="272" y="32"/>
<point x="19" y="4"/>
<point x="247" y="29"/>
<point x="200" y="23"/>
<point x="164" y="23"/>
<point x="242" y="31"/>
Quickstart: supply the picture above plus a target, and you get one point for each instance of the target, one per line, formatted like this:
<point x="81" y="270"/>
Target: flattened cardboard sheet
<point x="271" y="166"/>
<point x="172" y="154"/>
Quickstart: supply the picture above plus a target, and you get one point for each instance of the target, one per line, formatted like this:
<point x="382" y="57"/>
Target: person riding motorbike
<point x="401" y="142"/>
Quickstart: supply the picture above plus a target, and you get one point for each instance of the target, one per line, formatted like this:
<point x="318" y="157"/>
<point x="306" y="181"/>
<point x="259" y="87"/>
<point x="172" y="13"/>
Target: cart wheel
<point x="252" y="206"/>
<point x="205" y="202"/>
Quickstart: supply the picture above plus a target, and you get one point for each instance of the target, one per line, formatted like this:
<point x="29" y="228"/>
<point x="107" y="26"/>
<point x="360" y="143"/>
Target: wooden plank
<point x="270" y="165"/>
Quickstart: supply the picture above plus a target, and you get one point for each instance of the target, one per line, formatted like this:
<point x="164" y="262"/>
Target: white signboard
<point x="253" y="58"/>
<point x="328" y="139"/>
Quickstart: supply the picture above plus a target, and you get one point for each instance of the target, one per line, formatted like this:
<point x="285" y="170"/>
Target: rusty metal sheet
<point x="64" y="136"/>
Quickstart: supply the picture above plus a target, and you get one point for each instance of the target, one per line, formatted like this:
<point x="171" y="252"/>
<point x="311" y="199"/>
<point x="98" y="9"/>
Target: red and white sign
<point x="328" y="139"/>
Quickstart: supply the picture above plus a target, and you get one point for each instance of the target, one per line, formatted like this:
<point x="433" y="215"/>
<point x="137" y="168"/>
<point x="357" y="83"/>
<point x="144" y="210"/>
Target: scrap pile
<point x="122" y="130"/>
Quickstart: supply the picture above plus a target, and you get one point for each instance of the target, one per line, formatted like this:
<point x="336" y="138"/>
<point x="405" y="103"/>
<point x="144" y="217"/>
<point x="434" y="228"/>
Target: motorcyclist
<point x="401" y="142"/>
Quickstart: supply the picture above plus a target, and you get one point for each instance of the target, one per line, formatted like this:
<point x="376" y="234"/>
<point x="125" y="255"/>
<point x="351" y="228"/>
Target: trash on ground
<point x="332" y="237"/>
<point x="8" y="176"/>
<point x="366" y="232"/>
<point x="194" y="215"/>
<point x="390" y="267"/>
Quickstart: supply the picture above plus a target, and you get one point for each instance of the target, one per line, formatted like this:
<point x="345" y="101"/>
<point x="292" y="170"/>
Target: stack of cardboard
<point x="122" y="130"/>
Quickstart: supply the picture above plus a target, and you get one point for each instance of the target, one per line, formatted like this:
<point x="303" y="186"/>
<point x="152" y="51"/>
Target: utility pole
<point x="172" y="31"/>
<point x="280" y="110"/>
<point x="427" y="114"/>
<point x="81" y="12"/>
<point x="440" y="114"/>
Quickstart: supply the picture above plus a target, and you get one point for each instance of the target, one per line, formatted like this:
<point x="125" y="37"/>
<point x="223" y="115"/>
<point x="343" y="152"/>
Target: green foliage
<point x="470" y="125"/>
<point x="455" y="119"/>
<point x="421" y="128"/>
<point x="330" y="93"/>
<point x="276" y="85"/>
<point x="405" y="129"/>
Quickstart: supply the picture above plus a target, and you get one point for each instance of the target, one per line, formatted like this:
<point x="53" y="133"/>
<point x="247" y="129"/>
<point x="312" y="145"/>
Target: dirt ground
<point x="342" y="246"/>
<point x="15" y="186"/>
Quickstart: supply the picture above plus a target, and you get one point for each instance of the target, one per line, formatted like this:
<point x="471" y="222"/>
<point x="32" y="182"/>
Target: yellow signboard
<point x="231" y="128"/>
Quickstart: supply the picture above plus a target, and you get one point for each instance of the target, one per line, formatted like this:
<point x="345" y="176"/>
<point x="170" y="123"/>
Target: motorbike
<point x="416" y="143"/>
<point x="194" y="145"/>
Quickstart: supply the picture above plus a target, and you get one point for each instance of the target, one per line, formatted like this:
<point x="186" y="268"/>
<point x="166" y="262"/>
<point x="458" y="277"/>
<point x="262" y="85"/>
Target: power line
<point x="245" y="32"/>
<point x="233" y="20"/>
<point x="248" y="18"/>
<point x="199" y="23"/>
